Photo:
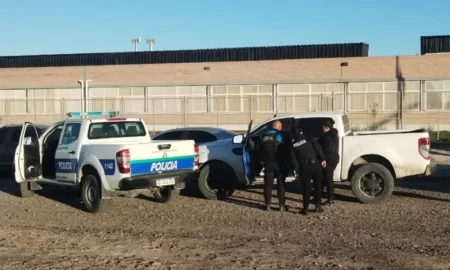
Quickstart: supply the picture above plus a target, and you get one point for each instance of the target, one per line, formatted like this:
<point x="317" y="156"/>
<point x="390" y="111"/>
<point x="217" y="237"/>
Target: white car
<point x="102" y="157"/>
<point x="371" y="160"/>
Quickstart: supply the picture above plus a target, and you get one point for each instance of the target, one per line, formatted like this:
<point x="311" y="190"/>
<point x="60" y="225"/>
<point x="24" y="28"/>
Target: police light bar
<point x="92" y="114"/>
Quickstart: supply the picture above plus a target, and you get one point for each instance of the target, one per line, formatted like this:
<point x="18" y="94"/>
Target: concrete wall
<point x="257" y="72"/>
<point x="232" y="93"/>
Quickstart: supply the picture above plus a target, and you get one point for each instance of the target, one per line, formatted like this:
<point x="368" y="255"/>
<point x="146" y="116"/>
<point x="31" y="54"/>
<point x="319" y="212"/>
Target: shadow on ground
<point x="68" y="196"/>
<point x="408" y="187"/>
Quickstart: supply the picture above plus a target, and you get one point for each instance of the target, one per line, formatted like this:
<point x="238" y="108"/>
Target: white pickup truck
<point x="102" y="157"/>
<point x="371" y="160"/>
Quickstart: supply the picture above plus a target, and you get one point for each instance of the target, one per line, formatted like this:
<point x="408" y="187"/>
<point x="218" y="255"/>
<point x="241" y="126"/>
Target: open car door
<point x="27" y="159"/>
<point x="246" y="155"/>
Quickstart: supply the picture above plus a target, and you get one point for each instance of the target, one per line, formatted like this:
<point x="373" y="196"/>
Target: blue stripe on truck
<point x="162" y="165"/>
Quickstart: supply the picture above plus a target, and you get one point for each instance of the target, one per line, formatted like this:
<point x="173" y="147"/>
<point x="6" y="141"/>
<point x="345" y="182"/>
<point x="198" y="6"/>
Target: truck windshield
<point x="107" y="130"/>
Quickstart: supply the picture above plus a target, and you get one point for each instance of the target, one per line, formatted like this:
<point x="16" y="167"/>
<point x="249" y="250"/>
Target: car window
<point x="311" y="126"/>
<point x="171" y="135"/>
<point x="3" y="133"/>
<point x="200" y="136"/>
<point x="15" y="135"/>
<point x="70" y="133"/>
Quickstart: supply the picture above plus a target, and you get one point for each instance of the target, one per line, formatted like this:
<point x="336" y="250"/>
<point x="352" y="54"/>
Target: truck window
<point x="70" y="133"/>
<point x="346" y="123"/>
<point x="116" y="130"/>
<point x="311" y="126"/>
<point x="286" y="126"/>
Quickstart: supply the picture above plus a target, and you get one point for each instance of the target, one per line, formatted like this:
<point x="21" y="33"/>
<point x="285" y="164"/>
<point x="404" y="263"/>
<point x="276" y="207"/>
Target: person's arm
<point x="319" y="150"/>
<point x="328" y="146"/>
<point x="279" y="138"/>
<point x="294" y="163"/>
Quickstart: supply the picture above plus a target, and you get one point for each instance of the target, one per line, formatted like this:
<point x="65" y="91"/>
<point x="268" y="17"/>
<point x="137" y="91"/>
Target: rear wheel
<point x="166" y="194"/>
<point x="372" y="183"/>
<point x="91" y="194"/>
<point x="217" y="181"/>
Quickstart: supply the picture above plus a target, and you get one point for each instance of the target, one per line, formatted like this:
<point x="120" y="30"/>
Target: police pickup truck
<point x="102" y="156"/>
<point x="369" y="160"/>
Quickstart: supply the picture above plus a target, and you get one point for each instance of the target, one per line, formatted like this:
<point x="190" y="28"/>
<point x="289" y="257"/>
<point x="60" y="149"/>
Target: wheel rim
<point x="92" y="194"/>
<point x="372" y="184"/>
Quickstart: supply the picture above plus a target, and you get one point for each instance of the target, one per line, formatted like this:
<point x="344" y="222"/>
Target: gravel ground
<point x="51" y="231"/>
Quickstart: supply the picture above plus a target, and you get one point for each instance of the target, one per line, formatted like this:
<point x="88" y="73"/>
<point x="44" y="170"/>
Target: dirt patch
<point x="51" y="231"/>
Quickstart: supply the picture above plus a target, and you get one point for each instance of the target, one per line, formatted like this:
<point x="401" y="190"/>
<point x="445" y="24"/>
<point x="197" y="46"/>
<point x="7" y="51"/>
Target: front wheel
<point x="166" y="194"/>
<point x="91" y="194"/>
<point x="372" y="183"/>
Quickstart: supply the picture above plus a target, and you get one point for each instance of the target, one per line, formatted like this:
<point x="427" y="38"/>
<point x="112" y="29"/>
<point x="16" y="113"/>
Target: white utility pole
<point x="136" y="42"/>
<point x="150" y="42"/>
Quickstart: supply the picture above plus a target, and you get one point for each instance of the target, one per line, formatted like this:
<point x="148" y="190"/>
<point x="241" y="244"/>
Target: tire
<point x="372" y="183"/>
<point x="166" y="194"/>
<point x="25" y="190"/>
<point x="224" y="184"/>
<point x="91" y="194"/>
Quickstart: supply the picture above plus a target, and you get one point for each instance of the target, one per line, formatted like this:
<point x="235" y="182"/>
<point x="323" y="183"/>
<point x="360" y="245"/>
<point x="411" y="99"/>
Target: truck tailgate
<point x="161" y="156"/>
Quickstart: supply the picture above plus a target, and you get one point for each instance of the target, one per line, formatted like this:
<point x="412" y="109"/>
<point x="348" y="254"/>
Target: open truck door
<point x="246" y="155"/>
<point x="27" y="158"/>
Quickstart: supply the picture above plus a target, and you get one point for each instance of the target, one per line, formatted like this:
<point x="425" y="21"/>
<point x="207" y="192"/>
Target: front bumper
<point x="431" y="168"/>
<point x="151" y="180"/>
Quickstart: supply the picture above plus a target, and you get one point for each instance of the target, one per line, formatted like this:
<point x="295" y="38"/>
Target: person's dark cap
<point x="329" y="122"/>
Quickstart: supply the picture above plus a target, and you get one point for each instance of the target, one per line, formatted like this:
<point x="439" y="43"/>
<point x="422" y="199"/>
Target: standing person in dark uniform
<point x="330" y="146"/>
<point x="308" y="162"/>
<point x="273" y="158"/>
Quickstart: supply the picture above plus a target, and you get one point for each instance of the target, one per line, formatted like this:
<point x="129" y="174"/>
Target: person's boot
<point x="329" y="202"/>
<point x="304" y="211"/>
<point x="319" y="209"/>
<point x="267" y="207"/>
<point x="283" y="208"/>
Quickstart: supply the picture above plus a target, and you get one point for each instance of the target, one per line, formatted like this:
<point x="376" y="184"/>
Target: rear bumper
<point x="151" y="180"/>
<point x="431" y="168"/>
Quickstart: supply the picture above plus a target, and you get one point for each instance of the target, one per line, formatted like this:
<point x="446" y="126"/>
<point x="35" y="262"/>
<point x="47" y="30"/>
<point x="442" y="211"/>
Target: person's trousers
<point x="314" y="172"/>
<point x="328" y="182"/>
<point x="269" y="177"/>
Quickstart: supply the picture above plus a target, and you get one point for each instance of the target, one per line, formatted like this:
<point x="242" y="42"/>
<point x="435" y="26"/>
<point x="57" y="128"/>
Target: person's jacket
<point x="330" y="146"/>
<point x="304" y="151"/>
<point x="271" y="146"/>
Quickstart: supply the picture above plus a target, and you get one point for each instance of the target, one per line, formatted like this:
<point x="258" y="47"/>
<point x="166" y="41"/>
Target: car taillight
<point x="123" y="161"/>
<point x="197" y="156"/>
<point x="424" y="148"/>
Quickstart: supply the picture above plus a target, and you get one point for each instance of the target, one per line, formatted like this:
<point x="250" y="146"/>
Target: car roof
<point x="19" y="126"/>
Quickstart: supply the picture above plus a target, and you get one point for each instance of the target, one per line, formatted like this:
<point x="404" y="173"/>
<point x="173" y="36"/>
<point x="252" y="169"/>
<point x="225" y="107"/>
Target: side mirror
<point x="238" y="139"/>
